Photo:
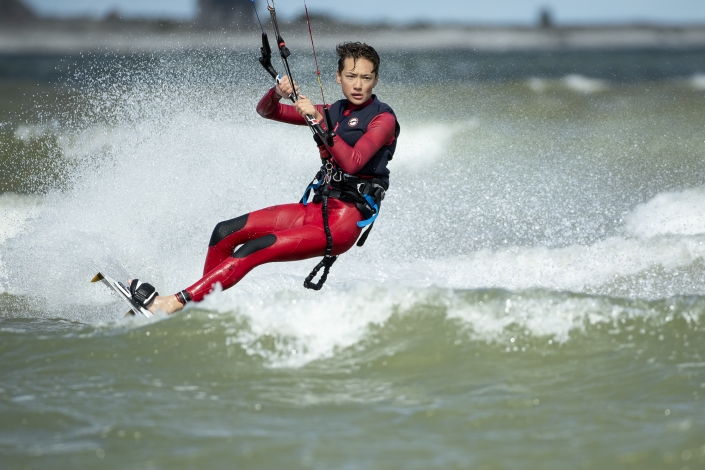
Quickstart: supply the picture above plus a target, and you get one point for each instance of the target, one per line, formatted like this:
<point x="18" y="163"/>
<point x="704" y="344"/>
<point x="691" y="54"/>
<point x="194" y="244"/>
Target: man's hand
<point x="284" y="88"/>
<point x="304" y="107"/>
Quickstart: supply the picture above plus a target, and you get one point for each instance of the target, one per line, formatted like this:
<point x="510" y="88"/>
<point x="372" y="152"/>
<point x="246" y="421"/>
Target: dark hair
<point x="354" y="51"/>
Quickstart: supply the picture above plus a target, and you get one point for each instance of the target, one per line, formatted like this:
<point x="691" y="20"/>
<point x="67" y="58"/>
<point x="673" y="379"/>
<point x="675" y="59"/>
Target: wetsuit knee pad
<point x="255" y="245"/>
<point x="227" y="227"/>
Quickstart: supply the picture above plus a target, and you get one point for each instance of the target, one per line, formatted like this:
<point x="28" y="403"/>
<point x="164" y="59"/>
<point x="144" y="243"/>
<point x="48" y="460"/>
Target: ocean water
<point x="531" y="297"/>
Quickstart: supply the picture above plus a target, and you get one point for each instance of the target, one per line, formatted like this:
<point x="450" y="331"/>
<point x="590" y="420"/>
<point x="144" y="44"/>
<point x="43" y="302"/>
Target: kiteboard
<point x="123" y="292"/>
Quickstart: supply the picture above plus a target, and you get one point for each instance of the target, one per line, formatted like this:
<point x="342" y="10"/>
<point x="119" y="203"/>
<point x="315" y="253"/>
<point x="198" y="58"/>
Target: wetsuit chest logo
<point x="353" y="122"/>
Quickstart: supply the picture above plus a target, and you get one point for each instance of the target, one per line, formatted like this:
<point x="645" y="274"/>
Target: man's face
<point x="357" y="80"/>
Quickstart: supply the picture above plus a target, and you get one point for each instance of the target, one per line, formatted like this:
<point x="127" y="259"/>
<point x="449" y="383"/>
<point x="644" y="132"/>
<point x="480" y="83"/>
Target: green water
<point x="419" y="391"/>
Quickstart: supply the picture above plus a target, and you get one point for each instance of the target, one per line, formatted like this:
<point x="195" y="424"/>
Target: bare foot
<point x="163" y="303"/>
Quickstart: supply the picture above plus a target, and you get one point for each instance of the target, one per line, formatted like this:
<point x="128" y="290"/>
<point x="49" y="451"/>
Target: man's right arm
<point x="270" y="107"/>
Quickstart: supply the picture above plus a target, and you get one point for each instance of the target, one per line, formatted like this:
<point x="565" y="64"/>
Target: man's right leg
<point x="229" y="234"/>
<point x="304" y="240"/>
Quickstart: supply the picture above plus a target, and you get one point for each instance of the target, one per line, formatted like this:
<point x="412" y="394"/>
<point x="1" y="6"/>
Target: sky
<point x="519" y="12"/>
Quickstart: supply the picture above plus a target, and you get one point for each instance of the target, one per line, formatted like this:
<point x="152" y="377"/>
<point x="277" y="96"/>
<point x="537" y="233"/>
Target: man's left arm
<point x="380" y="132"/>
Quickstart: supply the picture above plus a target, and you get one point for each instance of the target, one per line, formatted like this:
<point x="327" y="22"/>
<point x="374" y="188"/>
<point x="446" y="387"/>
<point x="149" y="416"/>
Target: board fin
<point x="98" y="277"/>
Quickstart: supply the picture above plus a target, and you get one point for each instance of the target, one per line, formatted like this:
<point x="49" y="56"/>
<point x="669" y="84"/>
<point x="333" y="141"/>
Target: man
<point x="366" y="133"/>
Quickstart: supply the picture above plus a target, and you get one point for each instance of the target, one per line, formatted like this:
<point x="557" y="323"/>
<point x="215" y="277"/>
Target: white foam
<point x="539" y="85"/>
<point x="667" y="232"/>
<point x="573" y="268"/>
<point x="307" y="327"/>
<point x="16" y="211"/>
<point x="537" y="316"/>
<point x="573" y="82"/>
<point x="426" y="143"/>
<point x="33" y="131"/>
<point x="675" y="213"/>
<point x="697" y="81"/>
<point x="584" y="84"/>
<point x="293" y="328"/>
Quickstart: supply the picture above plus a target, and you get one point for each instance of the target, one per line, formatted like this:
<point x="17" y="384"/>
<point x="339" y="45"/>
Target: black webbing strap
<point x="362" y="239"/>
<point x="328" y="259"/>
<point x="345" y="189"/>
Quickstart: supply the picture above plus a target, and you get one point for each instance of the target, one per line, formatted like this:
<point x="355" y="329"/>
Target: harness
<point x="367" y="195"/>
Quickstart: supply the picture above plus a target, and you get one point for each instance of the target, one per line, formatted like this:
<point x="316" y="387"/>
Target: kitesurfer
<point x="366" y="132"/>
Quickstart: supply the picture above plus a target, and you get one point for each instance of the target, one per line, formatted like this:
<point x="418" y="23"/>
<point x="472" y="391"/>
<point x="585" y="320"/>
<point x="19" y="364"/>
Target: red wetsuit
<point x="290" y="232"/>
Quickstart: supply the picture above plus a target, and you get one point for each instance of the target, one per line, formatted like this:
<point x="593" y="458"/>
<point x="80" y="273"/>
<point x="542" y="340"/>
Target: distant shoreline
<point x="93" y="36"/>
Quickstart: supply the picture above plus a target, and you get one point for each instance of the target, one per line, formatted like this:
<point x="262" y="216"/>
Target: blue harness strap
<point x="356" y="190"/>
<point x="371" y="202"/>
<point x="307" y="192"/>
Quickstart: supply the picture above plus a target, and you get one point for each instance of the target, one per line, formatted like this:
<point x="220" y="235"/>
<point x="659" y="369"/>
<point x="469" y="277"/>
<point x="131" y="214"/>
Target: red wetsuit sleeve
<point x="270" y="107"/>
<point x="380" y="132"/>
